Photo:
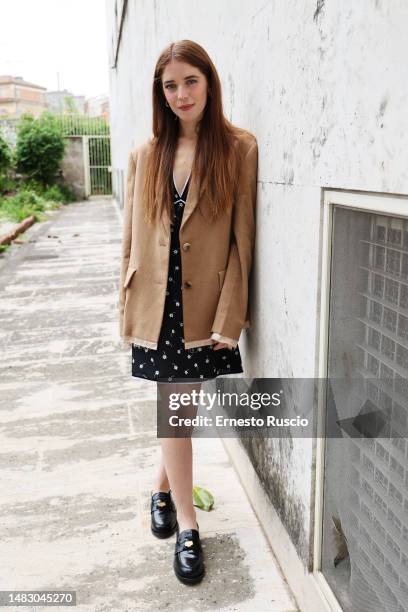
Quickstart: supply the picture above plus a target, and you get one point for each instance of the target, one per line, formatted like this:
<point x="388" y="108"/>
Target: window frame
<point x="378" y="203"/>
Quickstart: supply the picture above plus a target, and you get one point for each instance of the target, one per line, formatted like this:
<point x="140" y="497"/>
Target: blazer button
<point x="186" y="246"/>
<point x="187" y="284"/>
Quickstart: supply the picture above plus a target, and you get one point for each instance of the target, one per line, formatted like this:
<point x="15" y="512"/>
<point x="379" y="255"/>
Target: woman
<point x="188" y="237"/>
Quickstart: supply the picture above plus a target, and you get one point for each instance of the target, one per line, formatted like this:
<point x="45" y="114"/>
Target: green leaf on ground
<point x="202" y="498"/>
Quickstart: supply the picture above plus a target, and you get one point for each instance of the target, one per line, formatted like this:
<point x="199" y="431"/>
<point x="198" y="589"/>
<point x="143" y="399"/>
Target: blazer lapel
<point x="192" y="200"/>
<point x="191" y="203"/>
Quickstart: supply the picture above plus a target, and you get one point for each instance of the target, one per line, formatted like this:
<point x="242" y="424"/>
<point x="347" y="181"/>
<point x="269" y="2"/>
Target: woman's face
<point x="185" y="85"/>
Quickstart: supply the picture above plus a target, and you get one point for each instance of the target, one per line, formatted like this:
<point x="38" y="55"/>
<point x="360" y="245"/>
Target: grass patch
<point x="33" y="198"/>
<point x="23" y="204"/>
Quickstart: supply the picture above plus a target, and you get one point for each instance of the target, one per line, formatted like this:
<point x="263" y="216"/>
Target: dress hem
<point x="186" y="379"/>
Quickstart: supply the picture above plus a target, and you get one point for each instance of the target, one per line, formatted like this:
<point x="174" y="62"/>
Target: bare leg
<point x="161" y="483"/>
<point x="177" y="456"/>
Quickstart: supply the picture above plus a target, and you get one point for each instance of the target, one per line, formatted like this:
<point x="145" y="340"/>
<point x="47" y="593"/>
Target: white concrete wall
<point x="323" y="87"/>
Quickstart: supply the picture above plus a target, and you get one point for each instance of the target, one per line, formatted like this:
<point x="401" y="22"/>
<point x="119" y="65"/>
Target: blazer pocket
<point x="129" y="275"/>
<point x="221" y="275"/>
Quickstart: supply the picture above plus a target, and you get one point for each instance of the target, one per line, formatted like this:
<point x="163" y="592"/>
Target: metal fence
<point x="96" y="146"/>
<point x="99" y="164"/>
<point x="77" y="125"/>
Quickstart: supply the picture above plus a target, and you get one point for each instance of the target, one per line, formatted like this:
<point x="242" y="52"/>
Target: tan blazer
<point x="216" y="261"/>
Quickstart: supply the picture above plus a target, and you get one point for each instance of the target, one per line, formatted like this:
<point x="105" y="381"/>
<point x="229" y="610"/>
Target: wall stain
<point x="232" y="90"/>
<point x="382" y="109"/>
<point x="289" y="176"/>
<point x="319" y="8"/>
<point x="271" y="469"/>
<point x="260" y="10"/>
<point x="318" y="142"/>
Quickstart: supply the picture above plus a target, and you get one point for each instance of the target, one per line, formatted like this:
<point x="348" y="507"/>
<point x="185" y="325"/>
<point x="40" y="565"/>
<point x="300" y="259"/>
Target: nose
<point x="181" y="94"/>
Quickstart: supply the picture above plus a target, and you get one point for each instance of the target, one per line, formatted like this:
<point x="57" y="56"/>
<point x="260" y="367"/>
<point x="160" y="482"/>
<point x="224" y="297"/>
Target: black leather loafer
<point x="188" y="557"/>
<point x="163" y="515"/>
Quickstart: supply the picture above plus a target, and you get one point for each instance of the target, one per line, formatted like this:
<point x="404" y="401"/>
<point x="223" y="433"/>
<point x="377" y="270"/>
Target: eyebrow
<point x="195" y="76"/>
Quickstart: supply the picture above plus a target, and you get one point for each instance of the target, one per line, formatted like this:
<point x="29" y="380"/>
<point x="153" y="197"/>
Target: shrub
<point x="6" y="156"/>
<point x="7" y="184"/>
<point x="40" y="147"/>
<point x="59" y="192"/>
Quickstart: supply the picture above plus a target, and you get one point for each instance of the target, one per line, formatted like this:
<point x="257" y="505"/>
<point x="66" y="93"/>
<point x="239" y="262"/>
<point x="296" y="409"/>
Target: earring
<point x="167" y="103"/>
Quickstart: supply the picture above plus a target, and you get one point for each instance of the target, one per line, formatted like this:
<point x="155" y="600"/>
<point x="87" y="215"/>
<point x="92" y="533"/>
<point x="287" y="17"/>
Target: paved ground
<point x="79" y="448"/>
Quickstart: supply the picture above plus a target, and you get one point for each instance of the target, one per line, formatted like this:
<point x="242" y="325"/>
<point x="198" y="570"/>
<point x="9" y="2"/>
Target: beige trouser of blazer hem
<point x="216" y="336"/>
<point x="187" y="345"/>
<point x="140" y="342"/>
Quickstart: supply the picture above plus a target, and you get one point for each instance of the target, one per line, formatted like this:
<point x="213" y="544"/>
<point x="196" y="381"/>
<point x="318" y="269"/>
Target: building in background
<point x="97" y="106"/>
<point x="18" y="96"/>
<point x="64" y="102"/>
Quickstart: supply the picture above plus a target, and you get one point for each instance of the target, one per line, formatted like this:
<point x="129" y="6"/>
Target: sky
<point x="40" y="38"/>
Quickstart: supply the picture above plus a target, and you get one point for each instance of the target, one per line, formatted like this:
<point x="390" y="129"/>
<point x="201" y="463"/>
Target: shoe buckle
<point x="161" y="503"/>
<point x="188" y="543"/>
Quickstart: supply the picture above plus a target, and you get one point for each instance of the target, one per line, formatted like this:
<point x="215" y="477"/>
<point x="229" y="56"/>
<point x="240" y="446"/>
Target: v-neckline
<point x="175" y="186"/>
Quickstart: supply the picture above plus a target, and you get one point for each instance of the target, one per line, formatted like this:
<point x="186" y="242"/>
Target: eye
<point x="190" y="82"/>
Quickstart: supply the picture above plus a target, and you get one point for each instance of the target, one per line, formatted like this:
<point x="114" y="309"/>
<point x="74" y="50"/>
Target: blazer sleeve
<point x="233" y="306"/>
<point x="126" y="234"/>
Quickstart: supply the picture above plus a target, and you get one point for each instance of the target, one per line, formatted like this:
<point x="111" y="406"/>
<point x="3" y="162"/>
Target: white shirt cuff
<point x="219" y="338"/>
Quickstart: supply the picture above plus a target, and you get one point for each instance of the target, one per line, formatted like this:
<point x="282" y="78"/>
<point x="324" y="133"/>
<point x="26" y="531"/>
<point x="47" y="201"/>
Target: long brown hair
<point x="216" y="160"/>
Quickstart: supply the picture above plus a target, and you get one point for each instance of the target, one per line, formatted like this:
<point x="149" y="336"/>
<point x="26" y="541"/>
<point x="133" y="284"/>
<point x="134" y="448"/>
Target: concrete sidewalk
<point x="79" y="449"/>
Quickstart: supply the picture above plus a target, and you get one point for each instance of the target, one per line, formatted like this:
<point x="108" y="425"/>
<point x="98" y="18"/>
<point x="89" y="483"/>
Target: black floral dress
<point x="171" y="362"/>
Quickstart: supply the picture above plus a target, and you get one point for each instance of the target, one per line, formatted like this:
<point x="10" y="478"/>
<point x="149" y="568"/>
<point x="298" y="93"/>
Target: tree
<point x="70" y="105"/>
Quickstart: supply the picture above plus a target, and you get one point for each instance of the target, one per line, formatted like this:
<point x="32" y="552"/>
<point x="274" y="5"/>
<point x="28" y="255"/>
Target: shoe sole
<point x="186" y="580"/>
<point x="163" y="535"/>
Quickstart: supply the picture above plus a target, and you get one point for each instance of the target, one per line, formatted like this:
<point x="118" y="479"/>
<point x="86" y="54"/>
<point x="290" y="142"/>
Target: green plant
<point x="53" y="193"/>
<point x="59" y="192"/>
<point x="40" y="147"/>
<point x="33" y="185"/>
<point x="6" y="157"/>
<point x="7" y="184"/>
<point x="23" y="204"/>
<point x="70" y="105"/>
<point x="7" y="163"/>
<point x="66" y="193"/>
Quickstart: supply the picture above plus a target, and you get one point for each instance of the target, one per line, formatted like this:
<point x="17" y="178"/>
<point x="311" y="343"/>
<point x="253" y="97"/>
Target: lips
<point x="186" y="107"/>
